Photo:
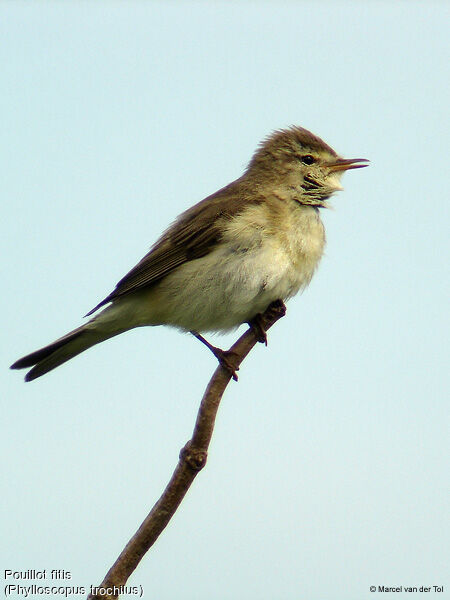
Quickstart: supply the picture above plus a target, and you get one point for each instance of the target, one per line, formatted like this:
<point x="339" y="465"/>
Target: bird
<point x="254" y="243"/>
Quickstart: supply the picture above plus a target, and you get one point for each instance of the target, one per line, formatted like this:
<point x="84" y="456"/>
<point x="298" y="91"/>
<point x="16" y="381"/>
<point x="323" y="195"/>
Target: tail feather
<point x="31" y="359"/>
<point x="51" y="356"/>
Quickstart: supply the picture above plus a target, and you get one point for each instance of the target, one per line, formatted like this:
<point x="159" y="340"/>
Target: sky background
<point x="328" y="469"/>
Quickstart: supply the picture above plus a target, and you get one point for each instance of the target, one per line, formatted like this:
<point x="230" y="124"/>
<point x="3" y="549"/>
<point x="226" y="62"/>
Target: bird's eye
<point x="308" y="159"/>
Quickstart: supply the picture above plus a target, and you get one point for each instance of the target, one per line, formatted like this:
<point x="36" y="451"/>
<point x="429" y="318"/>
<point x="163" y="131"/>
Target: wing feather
<point x="193" y="235"/>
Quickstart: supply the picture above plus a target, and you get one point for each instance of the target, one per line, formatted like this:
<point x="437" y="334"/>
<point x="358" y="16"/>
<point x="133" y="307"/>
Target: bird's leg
<point x="257" y="323"/>
<point x="223" y="356"/>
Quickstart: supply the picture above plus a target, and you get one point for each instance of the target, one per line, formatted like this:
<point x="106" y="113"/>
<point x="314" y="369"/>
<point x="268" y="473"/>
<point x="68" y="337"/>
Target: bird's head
<point x="301" y="164"/>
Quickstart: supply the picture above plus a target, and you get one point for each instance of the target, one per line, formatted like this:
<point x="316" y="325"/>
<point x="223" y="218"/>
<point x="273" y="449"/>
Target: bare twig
<point x="192" y="459"/>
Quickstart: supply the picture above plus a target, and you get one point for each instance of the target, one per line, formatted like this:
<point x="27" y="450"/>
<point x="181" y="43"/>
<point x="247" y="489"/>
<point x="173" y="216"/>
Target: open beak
<point x="345" y="164"/>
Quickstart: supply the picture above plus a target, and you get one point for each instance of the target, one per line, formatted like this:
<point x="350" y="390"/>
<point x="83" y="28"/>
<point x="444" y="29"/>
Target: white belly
<point x="252" y="267"/>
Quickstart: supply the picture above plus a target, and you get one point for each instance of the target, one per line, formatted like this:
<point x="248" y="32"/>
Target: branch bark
<point x="192" y="459"/>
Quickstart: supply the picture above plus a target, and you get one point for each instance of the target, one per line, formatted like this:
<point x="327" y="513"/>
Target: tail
<point x="63" y="349"/>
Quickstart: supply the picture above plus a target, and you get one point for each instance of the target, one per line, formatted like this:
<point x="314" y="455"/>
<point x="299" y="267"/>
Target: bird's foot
<point x="225" y="357"/>
<point x="257" y="325"/>
<point x="275" y="309"/>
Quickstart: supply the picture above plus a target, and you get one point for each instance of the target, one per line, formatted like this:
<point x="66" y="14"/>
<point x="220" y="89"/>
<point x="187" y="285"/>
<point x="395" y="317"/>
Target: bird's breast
<point x="260" y="258"/>
<point x="305" y="238"/>
<point x="286" y="240"/>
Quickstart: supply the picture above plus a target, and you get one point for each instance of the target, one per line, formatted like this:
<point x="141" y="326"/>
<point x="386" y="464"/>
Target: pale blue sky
<point x="328" y="468"/>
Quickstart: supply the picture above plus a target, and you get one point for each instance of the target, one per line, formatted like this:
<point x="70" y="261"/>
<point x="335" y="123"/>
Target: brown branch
<point x="192" y="460"/>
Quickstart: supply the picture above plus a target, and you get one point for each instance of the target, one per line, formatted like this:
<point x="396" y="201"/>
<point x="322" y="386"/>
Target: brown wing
<point x="193" y="235"/>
